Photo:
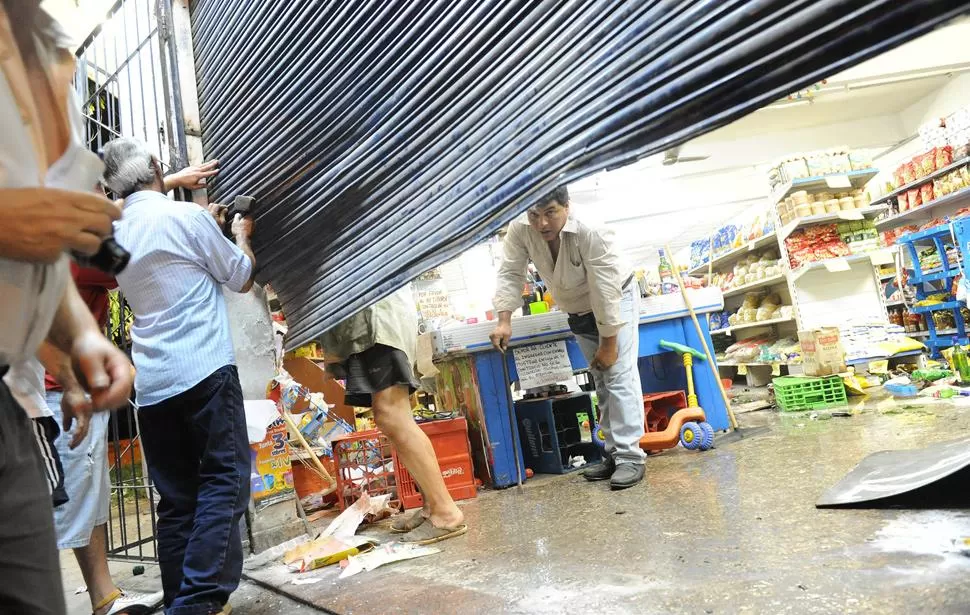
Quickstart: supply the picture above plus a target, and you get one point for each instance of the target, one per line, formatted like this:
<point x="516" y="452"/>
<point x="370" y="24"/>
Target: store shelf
<point x="938" y="307"/>
<point x="751" y="364"/>
<point x="751" y="325"/>
<point x="737" y="253"/>
<point x="847" y="215"/>
<point x="934" y="275"/>
<point x="900" y="355"/>
<point x="740" y="290"/>
<point x="923" y="211"/>
<point x="940" y="230"/>
<point x="939" y="333"/>
<point x="841" y="263"/>
<point x="919" y="182"/>
<point x="892" y="304"/>
<point x="834" y="181"/>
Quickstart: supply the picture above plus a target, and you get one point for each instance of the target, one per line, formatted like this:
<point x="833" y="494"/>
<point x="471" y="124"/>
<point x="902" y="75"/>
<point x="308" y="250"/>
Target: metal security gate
<point x="127" y="83"/>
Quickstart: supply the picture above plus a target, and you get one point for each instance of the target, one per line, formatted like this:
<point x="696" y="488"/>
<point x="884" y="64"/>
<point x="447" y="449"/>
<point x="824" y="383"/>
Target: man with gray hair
<point x="190" y="406"/>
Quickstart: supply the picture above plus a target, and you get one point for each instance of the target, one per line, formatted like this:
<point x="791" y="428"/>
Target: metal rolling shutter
<point x="383" y="137"/>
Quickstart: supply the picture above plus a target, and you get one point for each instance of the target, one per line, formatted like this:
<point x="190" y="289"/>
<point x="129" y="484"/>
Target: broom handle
<point x="295" y="431"/>
<point x="700" y="334"/>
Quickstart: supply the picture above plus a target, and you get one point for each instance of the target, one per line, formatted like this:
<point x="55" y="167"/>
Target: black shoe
<point x="626" y="475"/>
<point x="600" y="471"/>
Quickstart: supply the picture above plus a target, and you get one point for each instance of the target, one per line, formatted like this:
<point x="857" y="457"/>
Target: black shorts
<point x="377" y="368"/>
<point x="46" y="430"/>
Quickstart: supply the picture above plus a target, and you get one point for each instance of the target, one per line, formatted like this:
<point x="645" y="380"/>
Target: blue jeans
<point x="198" y="457"/>
<point x="618" y="388"/>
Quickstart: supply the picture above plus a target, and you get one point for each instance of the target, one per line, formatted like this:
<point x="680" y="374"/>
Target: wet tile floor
<point x="732" y="530"/>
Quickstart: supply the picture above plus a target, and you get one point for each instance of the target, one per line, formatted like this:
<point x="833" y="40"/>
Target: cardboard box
<point x="822" y="352"/>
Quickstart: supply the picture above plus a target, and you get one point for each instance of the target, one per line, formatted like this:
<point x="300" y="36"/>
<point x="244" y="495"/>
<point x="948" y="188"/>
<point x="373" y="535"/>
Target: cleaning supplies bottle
<point x="961" y="363"/>
<point x="668" y="285"/>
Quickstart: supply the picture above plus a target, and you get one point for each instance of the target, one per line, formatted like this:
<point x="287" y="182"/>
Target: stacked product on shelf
<point x="749" y="270"/>
<point x="801" y="204"/>
<point x="817" y="164"/>
<point x="728" y="238"/>
<point x="875" y="340"/>
<point x="939" y="174"/>
<point x="757" y="307"/>
<point x="762" y="349"/>
<point x="815" y="243"/>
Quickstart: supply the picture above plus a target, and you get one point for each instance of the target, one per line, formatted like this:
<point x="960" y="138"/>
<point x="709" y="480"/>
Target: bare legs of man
<point x="392" y="413"/>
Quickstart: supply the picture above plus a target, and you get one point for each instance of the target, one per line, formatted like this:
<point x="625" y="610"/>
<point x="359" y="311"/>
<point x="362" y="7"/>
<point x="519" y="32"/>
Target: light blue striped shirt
<point x="179" y="261"/>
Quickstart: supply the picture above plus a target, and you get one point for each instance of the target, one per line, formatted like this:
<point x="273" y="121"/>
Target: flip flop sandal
<point x="408" y="523"/>
<point x="427" y="533"/>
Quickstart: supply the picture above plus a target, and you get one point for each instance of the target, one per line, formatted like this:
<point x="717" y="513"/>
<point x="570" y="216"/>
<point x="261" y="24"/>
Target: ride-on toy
<point x="689" y="425"/>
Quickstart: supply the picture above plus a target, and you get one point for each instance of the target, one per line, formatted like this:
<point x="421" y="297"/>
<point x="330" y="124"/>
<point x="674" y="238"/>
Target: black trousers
<point x="29" y="565"/>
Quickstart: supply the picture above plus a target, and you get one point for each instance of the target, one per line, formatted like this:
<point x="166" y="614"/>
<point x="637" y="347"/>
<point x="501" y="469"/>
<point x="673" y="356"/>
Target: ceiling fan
<point x="672" y="156"/>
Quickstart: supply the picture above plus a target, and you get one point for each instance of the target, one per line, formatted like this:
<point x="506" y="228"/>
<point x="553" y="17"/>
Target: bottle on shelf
<point x="668" y="285"/>
<point x="961" y="364"/>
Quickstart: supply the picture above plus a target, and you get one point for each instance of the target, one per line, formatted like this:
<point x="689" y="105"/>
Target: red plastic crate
<point x="365" y="462"/>
<point x="657" y="408"/>
<point x="450" y="441"/>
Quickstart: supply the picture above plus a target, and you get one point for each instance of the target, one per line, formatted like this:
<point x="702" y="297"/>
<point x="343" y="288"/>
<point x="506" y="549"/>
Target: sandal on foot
<point x="427" y="533"/>
<point x="407" y="523"/>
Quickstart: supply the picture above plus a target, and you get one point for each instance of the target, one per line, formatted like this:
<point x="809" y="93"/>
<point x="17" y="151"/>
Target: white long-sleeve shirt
<point x="587" y="277"/>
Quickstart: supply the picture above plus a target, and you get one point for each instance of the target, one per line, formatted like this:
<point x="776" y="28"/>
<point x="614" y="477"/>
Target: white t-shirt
<point x="26" y="383"/>
<point x="30" y="292"/>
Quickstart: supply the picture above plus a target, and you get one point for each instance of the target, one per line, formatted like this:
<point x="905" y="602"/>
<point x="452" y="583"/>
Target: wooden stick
<point x="295" y="432"/>
<point x="700" y="334"/>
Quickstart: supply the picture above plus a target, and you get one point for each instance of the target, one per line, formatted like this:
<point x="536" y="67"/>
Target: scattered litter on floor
<point x="577" y="461"/>
<point x="339" y="541"/>
<point x="384" y="554"/>
<point x="81" y="590"/>
<point x="309" y="581"/>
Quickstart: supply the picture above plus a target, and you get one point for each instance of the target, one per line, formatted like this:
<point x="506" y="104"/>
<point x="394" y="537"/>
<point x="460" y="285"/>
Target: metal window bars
<point x="126" y="81"/>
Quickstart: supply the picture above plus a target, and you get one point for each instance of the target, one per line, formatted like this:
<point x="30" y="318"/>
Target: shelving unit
<point x="919" y="182"/>
<point x="740" y="290"/>
<point x="751" y="325"/>
<point x="924" y="212"/>
<point x="938" y="237"/>
<point x="834" y="181"/>
<point x="847" y="215"/>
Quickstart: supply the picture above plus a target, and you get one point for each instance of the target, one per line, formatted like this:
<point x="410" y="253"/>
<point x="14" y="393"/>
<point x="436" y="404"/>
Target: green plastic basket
<point x="793" y="394"/>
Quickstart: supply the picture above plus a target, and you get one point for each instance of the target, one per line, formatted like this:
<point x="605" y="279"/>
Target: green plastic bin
<point x="794" y="394"/>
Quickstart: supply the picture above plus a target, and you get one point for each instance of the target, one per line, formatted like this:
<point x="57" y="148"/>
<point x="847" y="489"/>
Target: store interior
<point x="815" y="250"/>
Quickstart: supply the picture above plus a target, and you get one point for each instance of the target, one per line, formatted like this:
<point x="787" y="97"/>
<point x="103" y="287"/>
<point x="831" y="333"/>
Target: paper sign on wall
<point x="432" y="299"/>
<point x="542" y="364"/>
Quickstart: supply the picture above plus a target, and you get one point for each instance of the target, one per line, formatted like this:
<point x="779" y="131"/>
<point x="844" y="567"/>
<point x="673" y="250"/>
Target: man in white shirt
<point x="588" y="280"/>
<point x="47" y="211"/>
<point x="190" y="406"/>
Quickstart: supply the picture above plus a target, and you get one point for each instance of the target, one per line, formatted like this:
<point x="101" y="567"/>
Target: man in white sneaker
<point x="588" y="279"/>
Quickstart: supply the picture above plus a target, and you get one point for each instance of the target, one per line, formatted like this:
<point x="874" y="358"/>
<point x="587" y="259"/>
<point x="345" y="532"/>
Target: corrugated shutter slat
<point x="384" y="137"/>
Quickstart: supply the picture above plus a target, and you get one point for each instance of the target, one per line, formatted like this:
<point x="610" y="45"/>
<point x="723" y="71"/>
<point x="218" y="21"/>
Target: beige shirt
<point x="392" y="321"/>
<point x="587" y="277"/>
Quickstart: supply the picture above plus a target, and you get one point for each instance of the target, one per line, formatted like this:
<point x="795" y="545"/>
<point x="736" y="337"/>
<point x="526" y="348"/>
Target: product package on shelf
<point x="752" y="268"/>
<point x="814" y="164"/>
<point x="801" y="204"/>
<point x="758" y="307"/>
<point x="876" y="339"/>
<point x="815" y="243"/>
<point x="763" y="349"/>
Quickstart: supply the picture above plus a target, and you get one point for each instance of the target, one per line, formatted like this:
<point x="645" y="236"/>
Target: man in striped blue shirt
<point x="190" y="405"/>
